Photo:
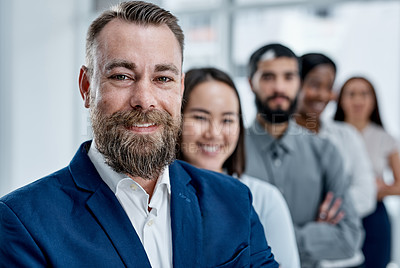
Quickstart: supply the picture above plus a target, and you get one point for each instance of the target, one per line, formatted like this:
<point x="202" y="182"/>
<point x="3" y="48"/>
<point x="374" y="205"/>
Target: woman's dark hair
<point x="235" y="163"/>
<point x="374" y="117"/>
<point x="311" y="60"/>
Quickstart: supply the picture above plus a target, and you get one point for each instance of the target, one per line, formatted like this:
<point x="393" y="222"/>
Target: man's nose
<point x="280" y="85"/>
<point x="143" y="95"/>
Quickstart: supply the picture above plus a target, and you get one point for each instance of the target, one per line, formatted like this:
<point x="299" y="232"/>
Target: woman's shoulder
<point x="268" y="201"/>
<point x="379" y="140"/>
<point x="262" y="190"/>
<point x="378" y="132"/>
<point x="340" y="130"/>
<point x="375" y="129"/>
<point x="256" y="183"/>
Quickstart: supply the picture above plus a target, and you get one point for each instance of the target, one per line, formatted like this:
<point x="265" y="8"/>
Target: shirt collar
<point x="112" y="178"/>
<point x="325" y="126"/>
<point x="164" y="180"/>
<point x="261" y="136"/>
<point x="287" y="142"/>
<point x="292" y="134"/>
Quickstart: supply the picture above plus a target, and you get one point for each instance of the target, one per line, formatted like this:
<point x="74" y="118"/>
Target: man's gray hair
<point x="139" y="12"/>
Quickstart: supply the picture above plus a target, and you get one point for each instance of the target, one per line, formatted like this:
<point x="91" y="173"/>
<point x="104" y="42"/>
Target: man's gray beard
<point x="138" y="155"/>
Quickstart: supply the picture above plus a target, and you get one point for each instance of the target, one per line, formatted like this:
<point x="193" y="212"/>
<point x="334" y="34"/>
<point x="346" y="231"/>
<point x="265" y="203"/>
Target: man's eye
<point x="266" y="76"/>
<point x="289" y="77"/>
<point x="119" y="77"/>
<point x="163" y="79"/>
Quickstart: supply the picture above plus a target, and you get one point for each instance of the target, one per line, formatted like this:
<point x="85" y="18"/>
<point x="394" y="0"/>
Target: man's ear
<point x="251" y="84"/>
<point x="84" y="85"/>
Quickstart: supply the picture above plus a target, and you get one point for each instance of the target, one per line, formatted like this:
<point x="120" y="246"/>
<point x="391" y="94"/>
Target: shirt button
<point x="277" y="162"/>
<point x="133" y="186"/>
<point x="150" y="223"/>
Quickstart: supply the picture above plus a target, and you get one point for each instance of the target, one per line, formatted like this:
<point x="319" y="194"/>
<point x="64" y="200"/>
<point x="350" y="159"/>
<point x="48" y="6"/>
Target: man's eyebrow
<point x="166" y="67"/>
<point x="268" y="72"/>
<point x="292" y="73"/>
<point x="120" y="63"/>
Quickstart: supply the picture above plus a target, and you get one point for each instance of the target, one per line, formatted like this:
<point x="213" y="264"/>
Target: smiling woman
<point x="212" y="138"/>
<point x="358" y="106"/>
<point x="211" y="125"/>
<point x="212" y="135"/>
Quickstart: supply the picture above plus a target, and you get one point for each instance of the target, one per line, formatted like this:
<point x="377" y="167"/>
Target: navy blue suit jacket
<point x="72" y="219"/>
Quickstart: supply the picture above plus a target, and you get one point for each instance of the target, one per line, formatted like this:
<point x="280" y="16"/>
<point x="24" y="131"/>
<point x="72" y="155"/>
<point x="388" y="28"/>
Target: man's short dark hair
<point x="276" y="50"/>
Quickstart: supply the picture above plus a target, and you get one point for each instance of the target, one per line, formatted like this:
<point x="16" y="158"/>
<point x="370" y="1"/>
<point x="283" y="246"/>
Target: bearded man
<point x="307" y="169"/>
<point x="123" y="201"/>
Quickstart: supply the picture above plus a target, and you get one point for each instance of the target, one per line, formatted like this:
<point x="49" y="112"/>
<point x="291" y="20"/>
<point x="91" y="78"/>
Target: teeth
<point x="144" y="125"/>
<point x="210" y="149"/>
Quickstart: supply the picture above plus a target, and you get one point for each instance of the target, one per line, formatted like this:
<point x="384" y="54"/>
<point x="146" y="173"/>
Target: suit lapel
<point x="118" y="227"/>
<point x="108" y="212"/>
<point x="186" y="220"/>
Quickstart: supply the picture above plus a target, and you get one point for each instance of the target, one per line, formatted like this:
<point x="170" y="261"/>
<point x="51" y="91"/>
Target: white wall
<point x="39" y="93"/>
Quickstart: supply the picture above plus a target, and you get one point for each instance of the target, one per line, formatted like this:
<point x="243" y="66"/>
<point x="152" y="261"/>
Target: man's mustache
<point x="129" y="118"/>
<point x="278" y="95"/>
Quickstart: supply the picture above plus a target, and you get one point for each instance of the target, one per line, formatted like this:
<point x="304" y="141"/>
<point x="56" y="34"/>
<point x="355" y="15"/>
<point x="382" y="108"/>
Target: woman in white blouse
<point x="212" y="138"/>
<point x="358" y="105"/>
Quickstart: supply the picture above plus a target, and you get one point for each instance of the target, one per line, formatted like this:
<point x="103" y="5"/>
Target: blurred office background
<point x="42" y="43"/>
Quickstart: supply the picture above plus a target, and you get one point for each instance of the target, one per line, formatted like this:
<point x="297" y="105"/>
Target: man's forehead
<point x="118" y="29"/>
<point x="272" y="62"/>
<point x="120" y="36"/>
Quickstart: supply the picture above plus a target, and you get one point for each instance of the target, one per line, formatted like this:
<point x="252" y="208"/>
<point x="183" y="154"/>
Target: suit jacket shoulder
<point x="68" y="219"/>
<point x="224" y="205"/>
<point x="72" y="219"/>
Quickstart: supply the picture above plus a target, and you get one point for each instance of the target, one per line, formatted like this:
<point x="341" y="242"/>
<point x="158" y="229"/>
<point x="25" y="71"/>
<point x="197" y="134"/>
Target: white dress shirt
<point x="275" y="217"/>
<point x="380" y="145"/>
<point x="153" y="227"/>
<point x="362" y="181"/>
<point x="356" y="164"/>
